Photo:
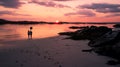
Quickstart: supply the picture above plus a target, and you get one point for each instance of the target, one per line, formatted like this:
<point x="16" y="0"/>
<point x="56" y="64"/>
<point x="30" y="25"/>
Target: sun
<point x="57" y="21"/>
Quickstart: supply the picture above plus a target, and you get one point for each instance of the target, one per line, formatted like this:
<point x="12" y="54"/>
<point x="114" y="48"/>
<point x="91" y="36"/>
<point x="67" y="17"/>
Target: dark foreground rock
<point x="89" y="33"/>
<point x="76" y="27"/>
<point x="107" y="46"/>
<point x="103" y="41"/>
<point x="113" y="62"/>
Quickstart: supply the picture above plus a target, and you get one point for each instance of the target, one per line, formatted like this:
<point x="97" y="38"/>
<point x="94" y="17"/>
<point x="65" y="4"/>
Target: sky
<point x="61" y="10"/>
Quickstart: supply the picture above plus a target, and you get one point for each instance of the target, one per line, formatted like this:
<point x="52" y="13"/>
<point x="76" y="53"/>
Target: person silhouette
<point x="30" y="33"/>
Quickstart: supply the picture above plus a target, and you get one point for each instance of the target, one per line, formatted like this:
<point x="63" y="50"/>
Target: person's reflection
<point x="30" y="33"/>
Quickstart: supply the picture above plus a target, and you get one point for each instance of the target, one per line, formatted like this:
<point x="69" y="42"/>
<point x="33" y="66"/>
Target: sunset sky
<point x="62" y="10"/>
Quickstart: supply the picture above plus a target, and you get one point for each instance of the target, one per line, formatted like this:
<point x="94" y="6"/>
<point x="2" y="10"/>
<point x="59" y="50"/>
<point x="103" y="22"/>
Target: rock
<point x="76" y="27"/>
<point x="103" y="41"/>
<point x="88" y="50"/>
<point x="90" y="33"/>
<point x="66" y="33"/>
<point x="106" y="39"/>
<point x="112" y="62"/>
<point x="116" y="25"/>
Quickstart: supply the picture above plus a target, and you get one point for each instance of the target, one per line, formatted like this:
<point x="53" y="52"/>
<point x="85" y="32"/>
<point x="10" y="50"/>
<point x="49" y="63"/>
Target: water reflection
<point x="10" y="32"/>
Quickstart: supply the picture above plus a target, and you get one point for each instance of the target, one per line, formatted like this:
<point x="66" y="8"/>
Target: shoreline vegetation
<point x="102" y="40"/>
<point x="3" y="21"/>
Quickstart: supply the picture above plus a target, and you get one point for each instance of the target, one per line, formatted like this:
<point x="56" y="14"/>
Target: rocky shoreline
<point x="103" y="41"/>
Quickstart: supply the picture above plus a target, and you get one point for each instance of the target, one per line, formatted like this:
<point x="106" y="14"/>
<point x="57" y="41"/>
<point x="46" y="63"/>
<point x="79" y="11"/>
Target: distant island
<point x="3" y="21"/>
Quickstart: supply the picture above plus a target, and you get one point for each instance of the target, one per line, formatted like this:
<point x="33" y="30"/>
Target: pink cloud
<point x="50" y="4"/>
<point x="81" y="13"/>
<point x="11" y="13"/>
<point x="63" y="0"/>
<point x="102" y="7"/>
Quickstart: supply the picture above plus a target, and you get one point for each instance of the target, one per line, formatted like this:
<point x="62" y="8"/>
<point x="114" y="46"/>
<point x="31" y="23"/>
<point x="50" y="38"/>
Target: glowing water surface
<point x="11" y="32"/>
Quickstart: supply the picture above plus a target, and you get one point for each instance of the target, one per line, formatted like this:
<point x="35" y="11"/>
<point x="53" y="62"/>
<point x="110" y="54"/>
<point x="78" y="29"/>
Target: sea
<point x="16" y="31"/>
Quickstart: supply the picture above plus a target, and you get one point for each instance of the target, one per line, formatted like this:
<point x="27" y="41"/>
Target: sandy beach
<point x="49" y="52"/>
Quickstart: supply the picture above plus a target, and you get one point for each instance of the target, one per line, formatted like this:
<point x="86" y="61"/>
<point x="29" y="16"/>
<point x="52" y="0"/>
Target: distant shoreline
<point x="3" y="21"/>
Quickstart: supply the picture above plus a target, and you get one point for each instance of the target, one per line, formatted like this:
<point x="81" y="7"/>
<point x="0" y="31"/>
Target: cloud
<point x="11" y="13"/>
<point x="63" y="0"/>
<point x="102" y="7"/>
<point x="49" y="4"/>
<point x="113" y="15"/>
<point x="85" y="13"/>
<point x="5" y="12"/>
<point x="10" y="3"/>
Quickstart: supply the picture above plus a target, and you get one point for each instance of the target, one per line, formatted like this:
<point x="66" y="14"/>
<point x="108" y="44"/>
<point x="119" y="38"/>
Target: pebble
<point x="21" y="65"/>
<point x="16" y="61"/>
<point x="60" y="65"/>
<point x="38" y="54"/>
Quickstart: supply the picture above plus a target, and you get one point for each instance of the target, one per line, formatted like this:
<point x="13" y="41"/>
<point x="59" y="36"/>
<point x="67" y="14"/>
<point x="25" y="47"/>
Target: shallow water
<point x="13" y="32"/>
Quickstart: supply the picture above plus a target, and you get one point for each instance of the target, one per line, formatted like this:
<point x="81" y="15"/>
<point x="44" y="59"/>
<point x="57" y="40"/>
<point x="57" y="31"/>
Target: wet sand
<point x="49" y="52"/>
